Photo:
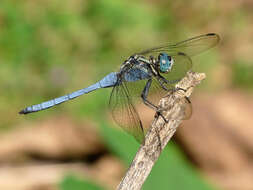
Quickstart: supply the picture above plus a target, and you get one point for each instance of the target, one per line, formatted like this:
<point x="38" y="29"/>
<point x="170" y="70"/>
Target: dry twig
<point x="160" y="132"/>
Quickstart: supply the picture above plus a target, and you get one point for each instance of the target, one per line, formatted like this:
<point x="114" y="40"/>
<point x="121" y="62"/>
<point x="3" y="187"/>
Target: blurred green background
<point x="50" y="48"/>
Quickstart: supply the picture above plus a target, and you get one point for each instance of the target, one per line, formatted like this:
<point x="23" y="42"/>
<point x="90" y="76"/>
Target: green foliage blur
<point x="71" y="182"/>
<point x="50" y="48"/>
<point x="170" y="168"/>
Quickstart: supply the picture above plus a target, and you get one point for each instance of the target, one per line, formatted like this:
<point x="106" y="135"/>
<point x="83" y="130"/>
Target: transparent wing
<point x="125" y="101"/>
<point x="127" y="107"/>
<point x="190" y="47"/>
<point x="124" y="113"/>
<point x="128" y="110"/>
<point x="182" y="64"/>
<point x="145" y="113"/>
<point x="157" y="93"/>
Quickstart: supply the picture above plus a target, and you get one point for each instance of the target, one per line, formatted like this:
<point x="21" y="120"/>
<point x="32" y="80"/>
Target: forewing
<point x="127" y="96"/>
<point x="182" y="64"/>
<point x="157" y="93"/>
<point x="124" y="113"/>
<point x="190" y="47"/>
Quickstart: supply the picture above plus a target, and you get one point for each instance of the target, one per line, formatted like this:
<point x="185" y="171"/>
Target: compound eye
<point x="165" y="63"/>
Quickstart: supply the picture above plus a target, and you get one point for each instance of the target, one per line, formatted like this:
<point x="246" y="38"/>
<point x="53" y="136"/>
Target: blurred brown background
<point x="50" y="48"/>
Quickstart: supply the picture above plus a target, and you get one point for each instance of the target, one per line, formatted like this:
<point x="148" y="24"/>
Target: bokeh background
<point x="50" y="48"/>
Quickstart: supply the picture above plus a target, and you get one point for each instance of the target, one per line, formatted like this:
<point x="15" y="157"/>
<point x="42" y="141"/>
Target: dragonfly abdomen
<point x="108" y="81"/>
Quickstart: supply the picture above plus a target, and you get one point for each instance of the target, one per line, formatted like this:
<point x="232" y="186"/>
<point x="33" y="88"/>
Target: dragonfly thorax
<point x="165" y="62"/>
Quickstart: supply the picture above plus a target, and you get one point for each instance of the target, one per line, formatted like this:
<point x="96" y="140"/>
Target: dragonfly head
<point x="165" y="62"/>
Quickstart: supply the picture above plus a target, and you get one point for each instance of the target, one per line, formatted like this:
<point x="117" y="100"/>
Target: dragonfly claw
<point x="159" y="113"/>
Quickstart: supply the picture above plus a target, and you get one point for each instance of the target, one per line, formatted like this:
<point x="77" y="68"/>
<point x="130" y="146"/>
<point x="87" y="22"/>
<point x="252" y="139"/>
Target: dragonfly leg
<point x="159" y="113"/>
<point x="144" y="96"/>
<point x="188" y="99"/>
<point x="163" y="81"/>
<point x="177" y="89"/>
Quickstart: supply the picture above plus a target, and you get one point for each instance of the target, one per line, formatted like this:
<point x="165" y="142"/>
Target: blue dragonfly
<point x="145" y="76"/>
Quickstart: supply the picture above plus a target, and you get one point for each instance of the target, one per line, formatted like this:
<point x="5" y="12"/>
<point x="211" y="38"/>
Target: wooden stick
<point x="174" y="108"/>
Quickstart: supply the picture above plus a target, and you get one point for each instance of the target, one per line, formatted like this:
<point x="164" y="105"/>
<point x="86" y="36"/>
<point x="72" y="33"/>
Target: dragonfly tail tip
<point x="211" y="34"/>
<point x="22" y="112"/>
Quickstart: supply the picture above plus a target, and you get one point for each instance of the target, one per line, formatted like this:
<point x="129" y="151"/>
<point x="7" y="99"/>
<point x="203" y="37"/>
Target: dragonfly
<point x="143" y="77"/>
